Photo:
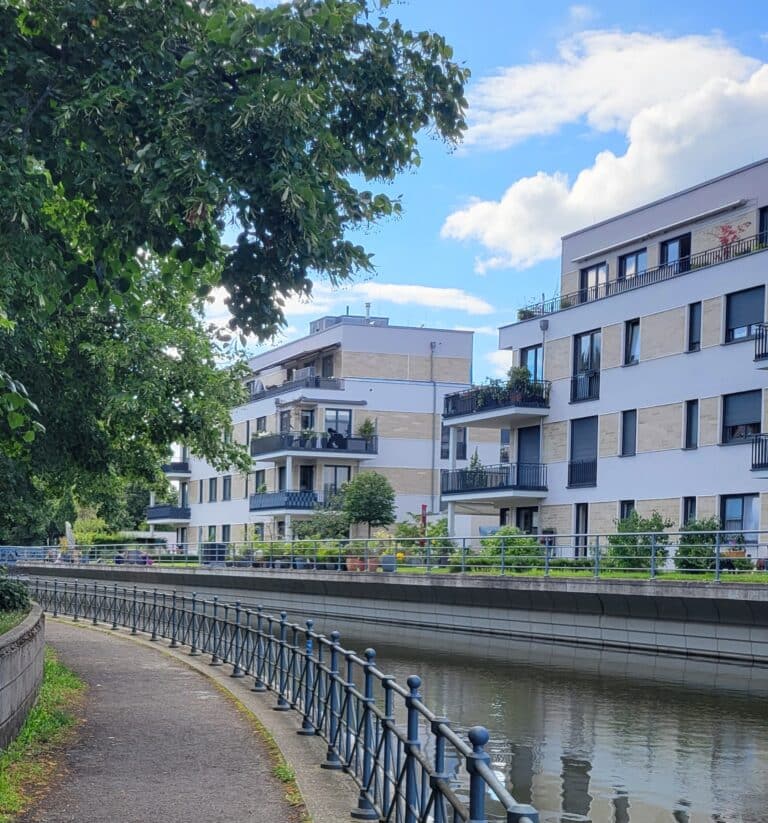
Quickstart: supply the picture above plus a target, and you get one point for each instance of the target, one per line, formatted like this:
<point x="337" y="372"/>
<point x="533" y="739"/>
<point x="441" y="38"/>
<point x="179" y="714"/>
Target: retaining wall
<point x="21" y="672"/>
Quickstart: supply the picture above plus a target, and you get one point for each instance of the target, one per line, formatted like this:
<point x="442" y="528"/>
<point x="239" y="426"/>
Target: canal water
<point x="605" y="737"/>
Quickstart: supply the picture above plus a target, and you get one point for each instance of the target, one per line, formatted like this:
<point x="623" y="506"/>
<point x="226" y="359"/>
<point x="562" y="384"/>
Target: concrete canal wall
<point x="724" y="622"/>
<point x="21" y="672"/>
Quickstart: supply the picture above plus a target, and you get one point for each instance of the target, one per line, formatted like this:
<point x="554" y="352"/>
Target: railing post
<point x="174" y="622"/>
<point x="387" y="725"/>
<point x="95" y="620"/>
<point x="503" y="554"/>
<point x="74" y="605"/>
<point x="306" y="723"/>
<point x="215" y="660"/>
<point x="718" y="538"/>
<point x="133" y="612"/>
<point x="653" y="556"/>
<point x="463" y="554"/>
<point x="438" y="809"/>
<point x="478" y="737"/>
<point x="282" y="703"/>
<point x="522" y="813"/>
<point x="258" y="682"/>
<point x="153" y="638"/>
<point x="349" y="720"/>
<point x="144" y="609"/>
<point x="597" y="555"/>
<point x="413" y="745"/>
<point x="237" y="670"/>
<point x="55" y="598"/>
<point x="332" y="760"/>
<point x="365" y="810"/>
<point x="547" y="552"/>
<point x="193" y="650"/>
<point x="114" y="608"/>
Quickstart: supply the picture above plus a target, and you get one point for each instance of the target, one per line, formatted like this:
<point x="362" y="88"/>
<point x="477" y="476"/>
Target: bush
<point x="14" y="596"/>
<point x="696" y="549"/>
<point x="571" y="563"/>
<point x="632" y="547"/>
<point x="521" y="551"/>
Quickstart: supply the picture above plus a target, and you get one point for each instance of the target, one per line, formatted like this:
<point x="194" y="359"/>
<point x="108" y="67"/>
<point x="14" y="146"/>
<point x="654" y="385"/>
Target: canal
<point x="606" y="737"/>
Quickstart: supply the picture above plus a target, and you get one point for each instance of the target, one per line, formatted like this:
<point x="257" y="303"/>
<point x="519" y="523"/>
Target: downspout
<point x="432" y="347"/>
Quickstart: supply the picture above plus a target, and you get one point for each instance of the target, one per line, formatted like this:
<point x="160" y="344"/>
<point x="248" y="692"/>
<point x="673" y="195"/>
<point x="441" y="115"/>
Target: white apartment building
<point x="355" y="394"/>
<point x="649" y="375"/>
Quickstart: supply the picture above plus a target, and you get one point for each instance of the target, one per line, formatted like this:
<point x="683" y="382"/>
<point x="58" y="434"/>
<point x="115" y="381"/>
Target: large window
<point x="626" y="507"/>
<point x="340" y="420"/>
<point x="532" y="359"/>
<point x="212" y="489"/>
<point x="257" y="481"/>
<point x="632" y="264"/>
<point x="582" y="468"/>
<point x="211" y="534"/>
<point x="593" y="282"/>
<point x="261" y="424"/>
<point x="226" y="533"/>
<point x="461" y="443"/>
<point x="677" y="252"/>
<point x="694" y="327"/>
<point x="763" y="222"/>
<point x="744" y="310"/>
<point x="632" y="342"/>
<point x="628" y="432"/>
<point x="334" y="477"/>
<point x="327" y="366"/>
<point x="585" y="384"/>
<point x="691" y="424"/>
<point x="285" y="421"/>
<point x="741" y="416"/>
<point x="306" y="478"/>
<point x="226" y="487"/>
<point x="307" y="419"/>
<point x="689" y="510"/>
<point x="505" y="436"/>
<point x="741" y="513"/>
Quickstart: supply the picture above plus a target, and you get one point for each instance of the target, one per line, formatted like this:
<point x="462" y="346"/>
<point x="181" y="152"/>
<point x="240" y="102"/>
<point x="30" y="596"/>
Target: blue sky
<point x="577" y="112"/>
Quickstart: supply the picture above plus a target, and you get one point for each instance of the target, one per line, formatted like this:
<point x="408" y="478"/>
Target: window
<point x="261" y="424"/>
<point x="256" y="481"/>
<point x="307" y="419"/>
<point x="211" y="534"/>
<point x="593" y="282"/>
<point x="741" y="513"/>
<point x="226" y="533"/>
<point x="212" y="489"/>
<point x="226" y="487"/>
<point x="691" y="424"/>
<point x="281" y="478"/>
<point x="694" y="327"/>
<point x="200" y="491"/>
<point x="689" y="510"/>
<point x="184" y="494"/>
<point x="632" y="264"/>
<point x="533" y="360"/>
<point x="199" y="534"/>
<point x="581" y="529"/>
<point x="527" y="519"/>
<point x="585" y="384"/>
<point x="628" y="432"/>
<point x="626" y="507"/>
<point x="247" y="431"/>
<point x="334" y="477"/>
<point x="743" y="311"/>
<point x="741" y="416"/>
<point x="327" y="366"/>
<point x="632" y="342"/>
<point x="676" y="252"/>
<point x="306" y="478"/>
<point x="505" y="437"/>
<point x="285" y="421"/>
<point x="461" y="443"/>
<point x="582" y="468"/>
<point x="340" y="420"/>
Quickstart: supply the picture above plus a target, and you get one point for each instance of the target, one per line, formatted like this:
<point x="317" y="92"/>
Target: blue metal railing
<point x="166" y="512"/>
<point x="176" y="467"/>
<point x="422" y="771"/>
<point x="532" y="395"/>
<point x="761" y="342"/>
<point x="302" y="500"/>
<point x="760" y="452"/>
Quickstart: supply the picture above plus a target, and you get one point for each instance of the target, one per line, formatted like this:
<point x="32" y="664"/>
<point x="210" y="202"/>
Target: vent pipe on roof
<point x="367" y="311"/>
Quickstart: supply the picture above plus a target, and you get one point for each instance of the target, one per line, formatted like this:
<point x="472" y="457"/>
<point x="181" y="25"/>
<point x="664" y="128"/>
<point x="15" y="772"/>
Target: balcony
<point x="305" y="500"/>
<point x="273" y="445"/>
<point x="164" y="513"/>
<point x="325" y="383"/>
<point x="488" y="481"/>
<point x="177" y="468"/>
<point x="585" y="386"/>
<point x="760" y="455"/>
<point x="490" y="404"/>
<point x="667" y="271"/>
<point x="582" y="473"/>
<point x="761" y="345"/>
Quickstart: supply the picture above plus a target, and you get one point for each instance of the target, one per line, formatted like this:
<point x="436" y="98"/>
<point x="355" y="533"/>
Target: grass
<point x="27" y="765"/>
<point x="10" y="619"/>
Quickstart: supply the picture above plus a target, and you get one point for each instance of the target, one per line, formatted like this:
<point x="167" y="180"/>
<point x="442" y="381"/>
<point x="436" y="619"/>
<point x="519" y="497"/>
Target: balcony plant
<point x="329" y="556"/>
<point x="525" y="314"/>
<point x="367" y="429"/>
<point x="477" y="476"/>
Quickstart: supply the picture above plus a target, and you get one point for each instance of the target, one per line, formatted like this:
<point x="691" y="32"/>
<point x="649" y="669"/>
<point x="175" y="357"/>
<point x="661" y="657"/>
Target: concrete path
<point x="160" y="743"/>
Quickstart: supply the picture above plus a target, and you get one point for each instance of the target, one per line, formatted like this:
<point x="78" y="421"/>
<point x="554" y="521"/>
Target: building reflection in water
<point x="576" y="797"/>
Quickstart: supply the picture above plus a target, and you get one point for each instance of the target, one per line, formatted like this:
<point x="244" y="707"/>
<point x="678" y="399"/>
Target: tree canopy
<point x="369" y="498"/>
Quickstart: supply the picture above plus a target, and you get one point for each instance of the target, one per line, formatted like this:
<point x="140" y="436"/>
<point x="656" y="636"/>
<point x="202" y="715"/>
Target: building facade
<point x="355" y="394"/>
<point x="648" y="375"/>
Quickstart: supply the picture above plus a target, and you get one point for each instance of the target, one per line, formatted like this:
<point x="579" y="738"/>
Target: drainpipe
<point x="432" y="348"/>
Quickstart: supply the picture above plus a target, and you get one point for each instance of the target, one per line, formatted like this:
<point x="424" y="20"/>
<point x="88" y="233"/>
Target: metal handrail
<point x="585" y="385"/>
<point x="314" y="441"/>
<point x="524" y="476"/>
<point x="326" y="383"/>
<point x="533" y="394"/>
<point x="760" y="452"/>
<point x="167" y="511"/>
<point x="761" y="341"/>
<point x="340" y="696"/>
<point x="666" y="271"/>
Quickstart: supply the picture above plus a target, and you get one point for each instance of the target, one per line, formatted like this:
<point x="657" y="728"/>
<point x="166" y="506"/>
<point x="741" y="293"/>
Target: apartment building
<point x="355" y="394"/>
<point x="648" y="372"/>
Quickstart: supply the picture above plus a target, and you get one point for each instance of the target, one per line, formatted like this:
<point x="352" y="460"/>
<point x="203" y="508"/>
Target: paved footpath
<point x="159" y="743"/>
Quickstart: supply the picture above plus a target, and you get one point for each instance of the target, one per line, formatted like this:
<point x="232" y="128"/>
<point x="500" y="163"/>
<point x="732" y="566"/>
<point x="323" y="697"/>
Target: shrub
<point x="14" y="596"/>
<point x="636" y="540"/>
<point x="521" y="551"/>
<point x="696" y="549"/>
<point x="571" y="563"/>
<point x="437" y="537"/>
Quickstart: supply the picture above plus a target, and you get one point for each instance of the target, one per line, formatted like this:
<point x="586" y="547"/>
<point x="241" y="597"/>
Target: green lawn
<point x="10" y="619"/>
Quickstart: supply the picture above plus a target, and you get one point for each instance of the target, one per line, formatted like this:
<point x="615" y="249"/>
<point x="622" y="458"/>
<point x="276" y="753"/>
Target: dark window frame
<point x="736" y="530"/>
<point x="683" y="260"/>
<point x="689" y="510"/>
<point x="213" y="489"/>
<point x="335" y="412"/>
<point x="226" y="487"/>
<point x="226" y="533"/>
<point x="691" y="433"/>
<point x="538" y="356"/>
<point x="731" y="335"/>
<point x="626" y="507"/>
<point x="261" y="424"/>
<point x="633" y="255"/>
<point x="741" y="432"/>
<point x="694" y="326"/>
<point x="628" y="450"/>
<point x="587" y="291"/>
<point x="631" y="334"/>
<point x="461" y="442"/>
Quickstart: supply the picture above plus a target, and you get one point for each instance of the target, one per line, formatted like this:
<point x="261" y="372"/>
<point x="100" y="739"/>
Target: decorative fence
<point x="409" y="764"/>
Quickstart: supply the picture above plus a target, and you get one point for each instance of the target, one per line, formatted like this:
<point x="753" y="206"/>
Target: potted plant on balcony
<point x="477" y="477"/>
<point x="525" y="314"/>
<point x="367" y="430"/>
<point x="306" y="438"/>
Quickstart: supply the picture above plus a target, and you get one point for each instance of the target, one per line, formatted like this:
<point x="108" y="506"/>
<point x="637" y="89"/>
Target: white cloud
<point x="489" y="331"/>
<point x="429" y="297"/>
<point x="580" y="13"/>
<point x="717" y="126"/>
<point x="500" y="361"/>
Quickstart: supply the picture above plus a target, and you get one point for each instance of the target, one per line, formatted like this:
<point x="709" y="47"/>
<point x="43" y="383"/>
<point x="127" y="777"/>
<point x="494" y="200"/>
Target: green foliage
<point x="521" y="551"/>
<point x="518" y="377"/>
<point x="369" y="498"/>
<point x="367" y="428"/>
<point x="438" y="536"/>
<point x="636" y="540"/>
<point x="696" y="549"/>
<point x="14" y="596"/>
<point x="323" y="524"/>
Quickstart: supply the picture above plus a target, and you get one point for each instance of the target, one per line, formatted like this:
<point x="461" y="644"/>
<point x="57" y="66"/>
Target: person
<point x="119" y="559"/>
<point x="336" y="440"/>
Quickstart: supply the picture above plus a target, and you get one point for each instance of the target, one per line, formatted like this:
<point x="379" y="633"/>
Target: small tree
<point x="637" y="540"/>
<point x="369" y="498"/>
<point x="323" y="524"/>
<point x="696" y="548"/>
<point x="521" y="551"/>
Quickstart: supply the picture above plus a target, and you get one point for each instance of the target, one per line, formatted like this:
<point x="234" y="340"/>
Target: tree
<point x="323" y="524"/>
<point x="639" y="541"/>
<point x="369" y="498"/>
<point x="136" y="133"/>
<point x="697" y="545"/>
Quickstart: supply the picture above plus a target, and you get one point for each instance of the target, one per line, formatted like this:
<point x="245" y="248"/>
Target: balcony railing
<point x="291" y="441"/>
<point x="582" y="473"/>
<point x="305" y="499"/>
<point x="667" y="271"/>
<point x="760" y="452"/>
<point x="176" y="467"/>
<point x="533" y="395"/>
<point x="515" y="476"/>
<point x="332" y="383"/>
<point x="585" y="386"/>
<point x="166" y="512"/>
<point x="761" y="341"/>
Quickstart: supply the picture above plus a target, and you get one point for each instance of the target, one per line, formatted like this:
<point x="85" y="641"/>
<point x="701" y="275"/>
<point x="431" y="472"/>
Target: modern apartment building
<point x="355" y="394"/>
<point x="649" y="375"/>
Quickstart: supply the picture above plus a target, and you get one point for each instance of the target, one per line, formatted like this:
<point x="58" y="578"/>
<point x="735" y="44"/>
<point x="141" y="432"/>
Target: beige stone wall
<point x="238" y="486"/>
<point x="608" y="437"/>
<point x="706" y="506"/>
<point x="559" y="518"/>
<point x="402" y="424"/>
<point x="194" y="490"/>
<point x="239" y="432"/>
<point x="660" y="427"/>
<point x="555" y="442"/>
<point x="712" y="322"/>
<point x="602" y="517"/>
<point x="480" y="435"/>
<point x="237" y="532"/>
<point x="557" y="359"/>
<point x="569" y="282"/>
<point x="662" y="334"/>
<point x="610" y="355"/>
<point x="667" y="507"/>
<point x="745" y="223"/>
<point x="709" y="421"/>
<point x="410" y="481"/>
<point x="404" y="366"/>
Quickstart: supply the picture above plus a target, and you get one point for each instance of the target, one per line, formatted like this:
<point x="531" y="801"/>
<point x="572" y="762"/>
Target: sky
<point x="577" y="112"/>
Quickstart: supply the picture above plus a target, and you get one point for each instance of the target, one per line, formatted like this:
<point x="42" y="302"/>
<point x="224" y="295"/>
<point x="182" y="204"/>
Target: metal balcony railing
<point x="296" y="441"/>
<point x="582" y="473"/>
<point x="667" y="271"/>
<point x="167" y="512"/>
<point x="332" y="383"/>
<point x="515" y="476"/>
<point x="176" y="467"/>
<point x="534" y="394"/>
<point x="761" y="341"/>
<point x="305" y="499"/>
<point x="585" y="386"/>
<point x="760" y="452"/>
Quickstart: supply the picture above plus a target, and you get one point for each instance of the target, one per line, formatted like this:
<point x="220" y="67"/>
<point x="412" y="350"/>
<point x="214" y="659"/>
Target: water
<point x="606" y="737"/>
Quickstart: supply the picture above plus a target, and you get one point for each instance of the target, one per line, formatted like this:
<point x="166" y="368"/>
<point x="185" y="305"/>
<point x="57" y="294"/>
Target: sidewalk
<point x="159" y="742"/>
